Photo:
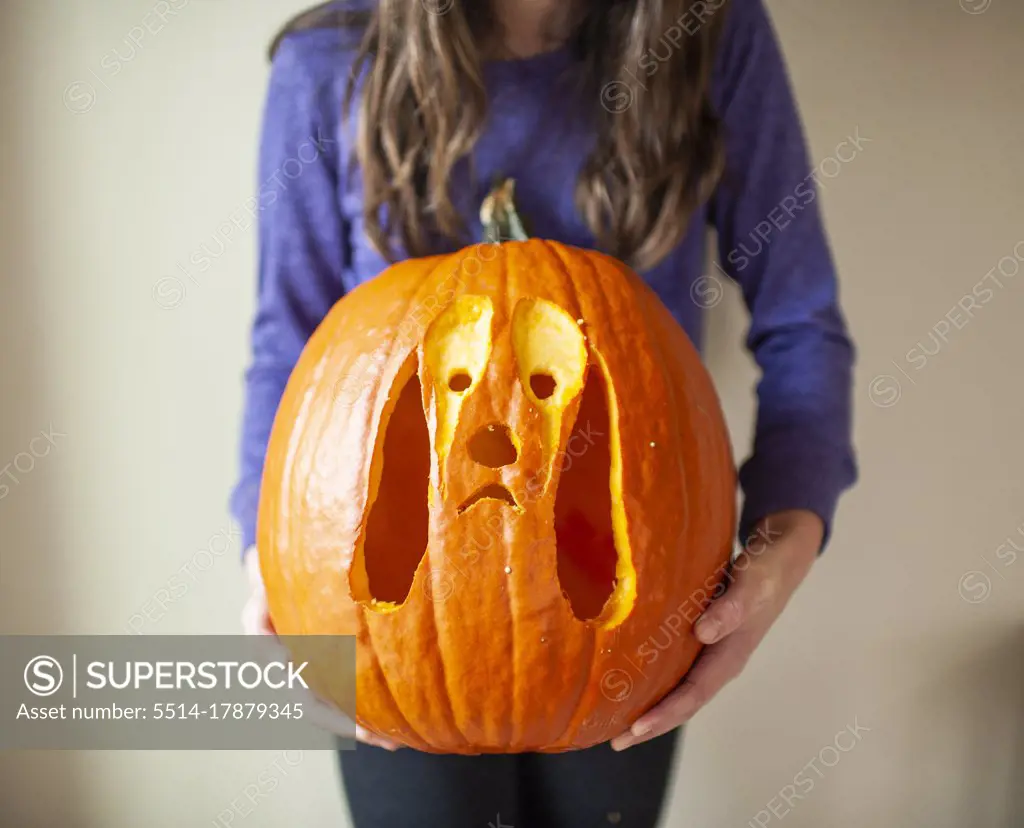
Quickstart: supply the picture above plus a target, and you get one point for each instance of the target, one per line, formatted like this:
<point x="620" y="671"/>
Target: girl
<point x="629" y="126"/>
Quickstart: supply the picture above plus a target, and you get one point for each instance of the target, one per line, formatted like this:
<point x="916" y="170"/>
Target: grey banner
<point x="129" y="692"/>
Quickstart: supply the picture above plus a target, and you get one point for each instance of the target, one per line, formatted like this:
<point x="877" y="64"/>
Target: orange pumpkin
<point x="507" y="473"/>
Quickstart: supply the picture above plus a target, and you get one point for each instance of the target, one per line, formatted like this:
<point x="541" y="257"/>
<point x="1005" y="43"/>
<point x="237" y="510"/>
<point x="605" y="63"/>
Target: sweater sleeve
<point x="771" y="241"/>
<point x="302" y="243"/>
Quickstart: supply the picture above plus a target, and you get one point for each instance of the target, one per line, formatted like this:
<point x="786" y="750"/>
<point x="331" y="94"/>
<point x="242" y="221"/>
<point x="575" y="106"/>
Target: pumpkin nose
<point x="493" y="446"/>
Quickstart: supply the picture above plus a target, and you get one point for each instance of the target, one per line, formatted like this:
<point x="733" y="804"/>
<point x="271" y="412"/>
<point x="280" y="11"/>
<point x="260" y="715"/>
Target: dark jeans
<point x="593" y="787"/>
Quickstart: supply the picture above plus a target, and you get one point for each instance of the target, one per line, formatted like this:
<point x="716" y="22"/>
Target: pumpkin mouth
<point x="492" y="491"/>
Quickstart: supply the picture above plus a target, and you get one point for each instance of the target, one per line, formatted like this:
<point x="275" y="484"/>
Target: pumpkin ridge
<point x="523" y="689"/>
<point x="678" y="558"/>
<point x="555" y="251"/>
<point x="416" y="299"/>
<point x="658" y="326"/>
<point x="293" y="494"/>
<point x="382" y="680"/>
<point x="310" y="419"/>
<point x="696" y="384"/>
<point x="439" y="655"/>
<point x="439" y="649"/>
<point x="511" y="594"/>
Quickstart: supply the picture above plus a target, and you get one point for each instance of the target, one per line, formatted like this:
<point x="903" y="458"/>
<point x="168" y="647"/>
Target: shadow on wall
<point x="988" y="694"/>
<point x="964" y="735"/>
<point x="31" y="587"/>
<point x="1015" y="808"/>
<point x="994" y="681"/>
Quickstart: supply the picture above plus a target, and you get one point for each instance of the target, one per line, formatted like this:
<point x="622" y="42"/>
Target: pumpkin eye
<point x="459" y="381"/>
<point x="551" y="353"/>
<point x="456" y="347"/>
<point x="543" y="385"/>
<point x="457" y="343"/>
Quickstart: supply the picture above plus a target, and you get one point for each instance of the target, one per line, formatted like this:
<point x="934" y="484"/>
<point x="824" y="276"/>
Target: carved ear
<point x="394" y="539"/>
<point x="595" y="561"/>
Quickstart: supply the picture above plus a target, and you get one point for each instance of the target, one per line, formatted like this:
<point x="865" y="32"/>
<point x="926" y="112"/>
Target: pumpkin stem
<point x="498" y="214"/>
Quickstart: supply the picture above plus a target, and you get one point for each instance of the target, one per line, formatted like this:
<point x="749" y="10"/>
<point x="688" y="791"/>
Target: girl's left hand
<point x="762" y="579"/>
<point x="256" y="621"/>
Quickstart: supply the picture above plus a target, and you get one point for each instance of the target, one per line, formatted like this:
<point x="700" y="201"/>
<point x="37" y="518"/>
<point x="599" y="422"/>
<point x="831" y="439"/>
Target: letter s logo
<point x="43" y="675"/>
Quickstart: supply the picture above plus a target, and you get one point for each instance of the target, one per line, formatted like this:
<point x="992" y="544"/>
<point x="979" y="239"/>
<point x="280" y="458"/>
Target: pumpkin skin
<point x="382" y="512"/>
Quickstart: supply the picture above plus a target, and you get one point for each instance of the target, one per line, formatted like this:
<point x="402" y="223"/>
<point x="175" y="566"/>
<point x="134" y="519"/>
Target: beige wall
<point x="912" y="626"/>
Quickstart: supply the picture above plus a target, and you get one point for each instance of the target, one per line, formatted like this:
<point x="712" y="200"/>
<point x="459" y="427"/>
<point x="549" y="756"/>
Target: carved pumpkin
<point x="507" y="473"/>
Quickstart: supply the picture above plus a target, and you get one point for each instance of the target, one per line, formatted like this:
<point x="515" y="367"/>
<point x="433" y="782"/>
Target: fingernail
<point x="636" y="732"/>
<point x="707" y="630"/>
<point x="640" y="729"/>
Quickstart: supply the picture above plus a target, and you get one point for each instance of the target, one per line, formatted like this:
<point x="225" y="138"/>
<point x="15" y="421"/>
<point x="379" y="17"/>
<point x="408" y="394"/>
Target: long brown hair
<point x="647" y="64"/>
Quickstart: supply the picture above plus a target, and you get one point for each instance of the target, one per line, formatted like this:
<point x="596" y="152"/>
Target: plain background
<point x="911" y="626"/>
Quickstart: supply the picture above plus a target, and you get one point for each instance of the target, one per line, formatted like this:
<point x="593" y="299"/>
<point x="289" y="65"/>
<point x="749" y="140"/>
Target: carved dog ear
<point x="395" y="536"/>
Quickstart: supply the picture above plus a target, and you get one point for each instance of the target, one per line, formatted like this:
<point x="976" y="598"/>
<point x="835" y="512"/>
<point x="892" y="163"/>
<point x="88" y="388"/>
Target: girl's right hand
<point x="256" y="621"/>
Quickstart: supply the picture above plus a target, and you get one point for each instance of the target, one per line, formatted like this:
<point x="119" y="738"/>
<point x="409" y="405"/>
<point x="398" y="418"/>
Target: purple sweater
<point x="312" y="248"/>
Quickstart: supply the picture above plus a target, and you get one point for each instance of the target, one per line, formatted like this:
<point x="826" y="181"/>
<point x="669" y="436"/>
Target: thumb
<point x="752" y="589"/>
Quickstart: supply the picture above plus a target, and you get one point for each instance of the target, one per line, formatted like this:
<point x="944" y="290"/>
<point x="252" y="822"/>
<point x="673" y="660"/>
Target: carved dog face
<point x="526" y="473"/>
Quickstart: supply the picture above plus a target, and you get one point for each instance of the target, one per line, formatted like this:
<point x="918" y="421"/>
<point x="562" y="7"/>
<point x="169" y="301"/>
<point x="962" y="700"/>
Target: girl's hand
<point x="256" y="621"/>
<point x="762" y="580"/>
